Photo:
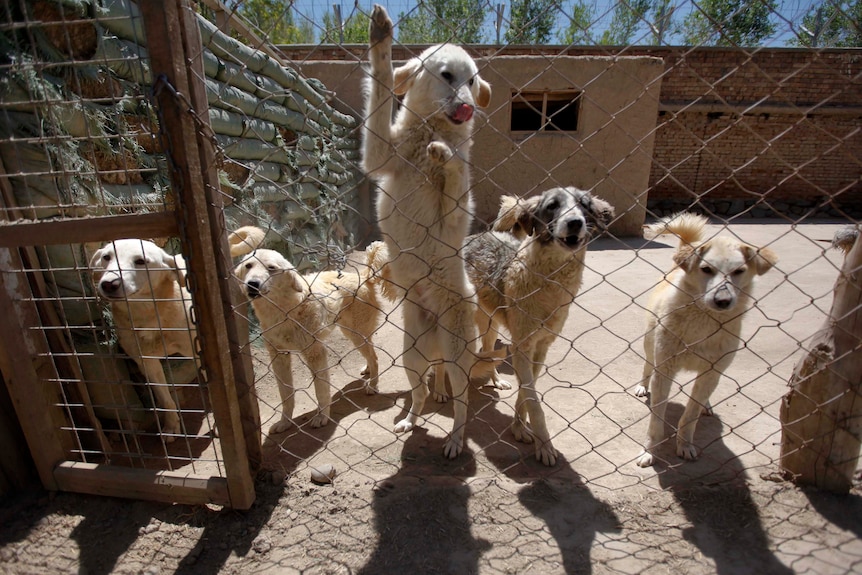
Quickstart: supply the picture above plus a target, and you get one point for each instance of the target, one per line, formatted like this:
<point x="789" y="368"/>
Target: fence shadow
<point x="716" y="500"/>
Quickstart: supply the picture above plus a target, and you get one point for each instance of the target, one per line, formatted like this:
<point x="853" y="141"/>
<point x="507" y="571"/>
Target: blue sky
<point x="788" y="14"/>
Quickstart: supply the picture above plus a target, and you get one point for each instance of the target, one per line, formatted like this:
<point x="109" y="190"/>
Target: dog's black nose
<point x="574" y="226"/>
<point x="723" y="298"/>
<point x="111" y="286"/>
<point x="252" y="287"/>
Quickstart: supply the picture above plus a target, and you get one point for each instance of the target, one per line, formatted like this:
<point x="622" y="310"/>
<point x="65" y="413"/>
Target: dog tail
<point x="686" y="226"/>
<point x="486" y="363"/>
<point x="245" y="240"/>
<point x="377" y="259"/>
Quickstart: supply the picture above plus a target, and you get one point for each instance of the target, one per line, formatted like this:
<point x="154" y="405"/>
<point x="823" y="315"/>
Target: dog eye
<point x="707" y="270"/>
<point x="739" y="271"/>
<point x="448" y="76"/>
<point x="106" y="257"/>
<point x="271" y="268"/>
<point x="552" y="205"/>
<point x="248" y="266"/>
<point x="140" y="262"/>
<point x="472" y="80"/>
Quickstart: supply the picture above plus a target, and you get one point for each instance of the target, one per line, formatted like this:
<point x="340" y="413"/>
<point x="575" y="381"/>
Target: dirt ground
<point x="396" y="505"/>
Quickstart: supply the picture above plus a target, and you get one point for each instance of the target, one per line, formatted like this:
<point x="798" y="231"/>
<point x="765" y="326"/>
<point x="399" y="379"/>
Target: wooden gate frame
<point x="198" y="219"/>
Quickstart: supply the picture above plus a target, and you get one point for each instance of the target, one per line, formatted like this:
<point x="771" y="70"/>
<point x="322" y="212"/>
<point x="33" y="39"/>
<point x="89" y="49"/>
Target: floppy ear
<point x="601" y="212"/>
<point x="405" y="75"/>
<point x="95" y="261"/>
<point x="687" y="256"/>
<point x="762" y="259"/>
<point x="484" y="97"/>
<point x="507" y="218"/>
<point x="296" y="282"/>
<point x="527" y="214"/>
<point x="178" y="262"/>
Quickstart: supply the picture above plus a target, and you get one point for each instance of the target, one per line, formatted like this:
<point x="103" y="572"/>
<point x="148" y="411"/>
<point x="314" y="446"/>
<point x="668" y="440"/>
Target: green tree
<point x="531" y="21"/>
<point x="729" y="22"/>
<point x="833" y="24"/>
<point x="661" y="23"/>
<point x="438" y="21"/>
<point x="275" y="19"/>
<point x="629" y="15"/>
<point x="580" y="21"/>
<point x="354" y="29"/>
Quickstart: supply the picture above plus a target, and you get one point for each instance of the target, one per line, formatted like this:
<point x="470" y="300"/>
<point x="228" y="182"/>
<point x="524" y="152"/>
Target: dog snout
<point x="252" y="288"/>
<point x="111" y="286"/>
<point x="723" y="297"/>
<point x="575" y="226"/>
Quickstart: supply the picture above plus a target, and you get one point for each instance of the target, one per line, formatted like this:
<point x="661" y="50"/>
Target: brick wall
<point x="737" y="130"/>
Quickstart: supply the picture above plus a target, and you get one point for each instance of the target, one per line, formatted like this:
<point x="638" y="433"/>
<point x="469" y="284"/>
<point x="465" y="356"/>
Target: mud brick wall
<point x="738" y="131"/>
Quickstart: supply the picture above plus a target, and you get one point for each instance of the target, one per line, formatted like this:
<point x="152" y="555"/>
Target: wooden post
<point x="176" y="52"/>
<point x="821" y="416"/>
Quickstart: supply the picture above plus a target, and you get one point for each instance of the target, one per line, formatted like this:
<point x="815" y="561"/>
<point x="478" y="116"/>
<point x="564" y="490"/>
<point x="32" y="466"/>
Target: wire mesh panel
<point x="94" y="271"/>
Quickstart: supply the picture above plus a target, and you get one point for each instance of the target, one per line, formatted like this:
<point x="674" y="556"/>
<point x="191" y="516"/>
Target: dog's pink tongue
<point x="463" y="113"/>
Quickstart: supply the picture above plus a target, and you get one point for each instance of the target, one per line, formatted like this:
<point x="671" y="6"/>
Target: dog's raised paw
<point x="380" y="27"/>
<point x="439" y="152"/>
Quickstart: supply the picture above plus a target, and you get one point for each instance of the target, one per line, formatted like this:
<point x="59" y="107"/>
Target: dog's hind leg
<point x="364" y="346"/>
<point x="417" y="352"/>
<point x="641" y="389"/>
<point x="488" y="333"/>
<point x="282" y="369"/>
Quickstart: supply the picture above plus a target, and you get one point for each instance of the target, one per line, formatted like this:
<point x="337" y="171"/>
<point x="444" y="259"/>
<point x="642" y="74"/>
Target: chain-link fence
<point x="750" y="122"/>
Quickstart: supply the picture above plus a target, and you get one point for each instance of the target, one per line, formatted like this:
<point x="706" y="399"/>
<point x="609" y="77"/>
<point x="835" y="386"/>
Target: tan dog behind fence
<point x="694" y="320"/>
<point x="297" y="313"/>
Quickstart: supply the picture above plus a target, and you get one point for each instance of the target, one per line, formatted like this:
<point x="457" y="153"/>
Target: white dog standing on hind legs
<point x="694" y="319"/>
<point x="420" y="161"/>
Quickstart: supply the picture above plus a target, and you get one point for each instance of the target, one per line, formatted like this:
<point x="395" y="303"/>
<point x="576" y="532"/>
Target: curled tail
<point x="686" y="226"/>
<point x="245" y="240"/>
<point x="377" y="272"/>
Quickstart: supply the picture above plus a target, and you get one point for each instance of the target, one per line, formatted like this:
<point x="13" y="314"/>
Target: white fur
<point x="420" y="162"/>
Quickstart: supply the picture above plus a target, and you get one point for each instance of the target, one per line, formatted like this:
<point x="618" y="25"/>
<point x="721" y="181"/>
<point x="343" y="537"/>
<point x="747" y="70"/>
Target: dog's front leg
<point x="318" y="363"/>
<point x="529" y="405"/>
<point x="659" y="391"/>
<point x="281" y="366"/>
<point x="377" y="143"/>
<point x="704" y="385"/>
<point x="155" y="376"/>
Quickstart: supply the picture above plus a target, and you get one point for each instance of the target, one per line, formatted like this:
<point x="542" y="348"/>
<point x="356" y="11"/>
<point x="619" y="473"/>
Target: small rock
<point x="323" y="474"/>
<point x="261" y="544"/>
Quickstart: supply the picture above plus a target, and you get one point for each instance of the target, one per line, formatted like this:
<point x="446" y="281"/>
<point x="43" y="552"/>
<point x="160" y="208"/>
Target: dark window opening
<point x="545" y="111"/>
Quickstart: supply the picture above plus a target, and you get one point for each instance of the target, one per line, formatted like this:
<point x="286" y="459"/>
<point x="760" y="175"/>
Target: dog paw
<point x="171" y="427"/>
<point x="645" y="459"/>
<point x="281" y="426"/>
<point x="547" y="454"/>
<point x="403" y="426"/>
<point x="380" y="27"/>
<point x="439" y="152"/>
<point x="371" y="387"/>
<point x="521" y="432"/>
<point x="686" y="451"/>
<point x="453" y="447"/>
<point x="640" y="391"/>
<point x="319" y="420"/>
<point x="500" y="384"/>
<point x="440" y="396"/>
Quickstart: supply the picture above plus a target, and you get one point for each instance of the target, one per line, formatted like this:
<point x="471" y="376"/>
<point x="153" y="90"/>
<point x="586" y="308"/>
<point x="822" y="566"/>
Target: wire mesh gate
<point x="92" y="423"/>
